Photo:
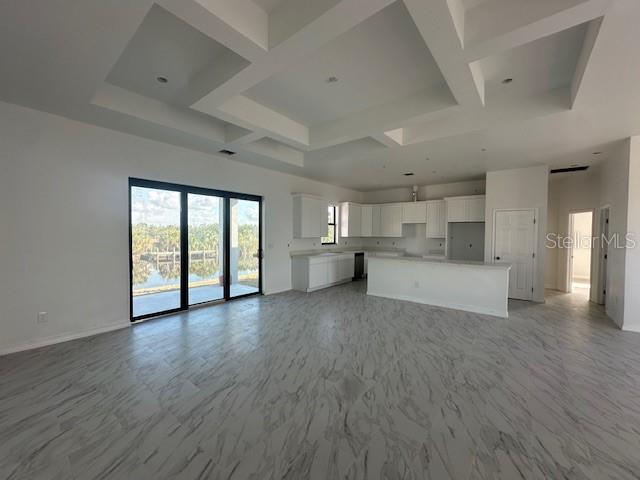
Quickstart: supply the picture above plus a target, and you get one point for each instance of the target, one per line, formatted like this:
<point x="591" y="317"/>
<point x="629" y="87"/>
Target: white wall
<point x="414" y="239"/>
<point x="426" y="192"/>
<point x="569" y="193"/>
<point x="632" y="257"/>
<point x="64" y="219"/>
<point x="519" y="188"/>
<point x="614" y="191"/>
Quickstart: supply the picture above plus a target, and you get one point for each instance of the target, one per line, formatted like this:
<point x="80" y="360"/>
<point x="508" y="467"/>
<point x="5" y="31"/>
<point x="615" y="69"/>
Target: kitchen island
<point x="471" y="286"/>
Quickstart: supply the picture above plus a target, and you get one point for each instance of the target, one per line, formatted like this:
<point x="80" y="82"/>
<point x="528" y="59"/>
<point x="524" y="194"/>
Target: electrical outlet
<point x="42" y="317"/>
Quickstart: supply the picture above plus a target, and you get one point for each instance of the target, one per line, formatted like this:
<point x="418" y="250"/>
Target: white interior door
<point x="514" y="243"/>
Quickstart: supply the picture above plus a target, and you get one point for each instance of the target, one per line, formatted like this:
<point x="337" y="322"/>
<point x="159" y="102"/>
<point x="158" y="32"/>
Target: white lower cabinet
<point x="321" y="271"/>
<point x="317" y="275"/>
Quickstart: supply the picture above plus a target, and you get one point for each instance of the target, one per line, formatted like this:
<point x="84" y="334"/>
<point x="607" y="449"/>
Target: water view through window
<point x="245" y="254"/>
<point x="155" y="245"/>
<point x="206" y="248"/>
<point x="158" y="228"/>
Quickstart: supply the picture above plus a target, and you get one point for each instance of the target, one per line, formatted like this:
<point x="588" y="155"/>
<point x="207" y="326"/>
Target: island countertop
<point x="477" y="287"/>
<point x="445" y="261"/>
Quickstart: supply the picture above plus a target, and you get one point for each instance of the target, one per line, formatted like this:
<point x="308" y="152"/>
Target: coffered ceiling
<point x="352" y="92"/>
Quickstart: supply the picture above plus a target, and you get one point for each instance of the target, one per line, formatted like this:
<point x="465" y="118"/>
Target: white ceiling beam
<point x="254" y="116"/>
<point x="439" y="22"/>
<point x="239" y="136"/>
<point x="290" y="16"/>
<point x="154" y="111"/>
<point x="339" y="19"/>
<point x="419" y="107"/>
<point x="212" y="75"/>
<point x="271" y="148"/>
<point x="502" y="111"/>
<point x="397" y="135"/>
<point x="387" y="140"/>
<point x="115" y="99"/>
<point x="239" y="25"/>
<point x="493" y="43"/>
<point x="585" y="55"/>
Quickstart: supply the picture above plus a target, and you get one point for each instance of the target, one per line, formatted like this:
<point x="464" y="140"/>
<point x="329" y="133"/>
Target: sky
<point x="162" y="207"/>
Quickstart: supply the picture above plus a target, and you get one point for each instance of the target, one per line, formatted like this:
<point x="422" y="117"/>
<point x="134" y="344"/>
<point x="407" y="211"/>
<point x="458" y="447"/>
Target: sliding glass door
<point x="155" y="251"/>
<point x="206" y="248"/>
<point x="191" y="246"/>
<point x="245" y="247"/>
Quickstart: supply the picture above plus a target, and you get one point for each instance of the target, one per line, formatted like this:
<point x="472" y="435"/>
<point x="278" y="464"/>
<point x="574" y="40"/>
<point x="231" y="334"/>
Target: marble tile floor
<point x="331" y="385"/>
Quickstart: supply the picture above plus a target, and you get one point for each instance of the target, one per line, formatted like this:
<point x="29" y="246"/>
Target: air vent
<point x="569" y="169"/>
<point x="227" y="152"/>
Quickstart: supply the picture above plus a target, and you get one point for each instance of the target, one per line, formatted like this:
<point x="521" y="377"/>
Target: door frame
<point x="534" y="270"/>
<point x="601" y="273"/>
<point x="184" y="191"/>
<point x="569" y="260"/>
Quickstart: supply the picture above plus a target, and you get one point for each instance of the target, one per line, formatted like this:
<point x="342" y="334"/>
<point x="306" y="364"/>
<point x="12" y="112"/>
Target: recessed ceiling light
<point x="408" y="174"/>
<point x="507" y="81"/>
<point x="597" y="153"/>
<point x="162" y="80"/>
<point x="332" y="80"/>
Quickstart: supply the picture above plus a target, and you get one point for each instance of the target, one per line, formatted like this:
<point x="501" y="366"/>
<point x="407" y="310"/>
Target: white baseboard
<point x="62" y="338"/>
<point x="277" y="291"/>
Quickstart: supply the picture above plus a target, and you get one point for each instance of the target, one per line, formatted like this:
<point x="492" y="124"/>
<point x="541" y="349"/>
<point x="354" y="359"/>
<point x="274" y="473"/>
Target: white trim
<point x="62" y="338"/>
<point x="274" y="292"/>
<point x="600" y="274"/>
<point x="534" y="272"/>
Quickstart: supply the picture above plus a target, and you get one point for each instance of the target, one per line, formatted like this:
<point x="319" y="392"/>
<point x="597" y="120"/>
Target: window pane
<point x="245" y="247"/>
<point x="155" y="235"/>
<point x="330" y="238"/>
<point x="332" y="211"/>
<point x="206" y="252"/>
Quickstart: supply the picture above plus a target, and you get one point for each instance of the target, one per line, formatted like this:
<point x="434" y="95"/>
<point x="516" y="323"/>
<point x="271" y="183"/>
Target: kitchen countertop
<point x="446" y="261"/>
<point x="369" y="250"/>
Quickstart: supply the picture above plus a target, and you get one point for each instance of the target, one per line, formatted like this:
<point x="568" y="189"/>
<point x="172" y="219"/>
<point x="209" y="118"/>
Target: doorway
<point x="514" y="242"/>
<point x="191" y="246"/>
<point x="579" y="255"/>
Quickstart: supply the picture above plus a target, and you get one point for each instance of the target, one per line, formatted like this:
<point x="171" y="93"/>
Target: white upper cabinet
<point x="375" y="221"/>
<point x="310" y="216"/>
<point x="391" y="220"/>
<point x="456" y="209"/>
<point x="465" y="209"/>
<point x="366" y="220"/>
<point x="414" y="212"/>
<point x="350" y="220"/>
<point x="475" y="208"/>
<point x="436" y="219"/>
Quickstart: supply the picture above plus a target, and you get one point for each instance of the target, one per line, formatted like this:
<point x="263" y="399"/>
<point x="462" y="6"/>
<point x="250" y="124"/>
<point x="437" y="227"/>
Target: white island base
<point x="471" y="286"/>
